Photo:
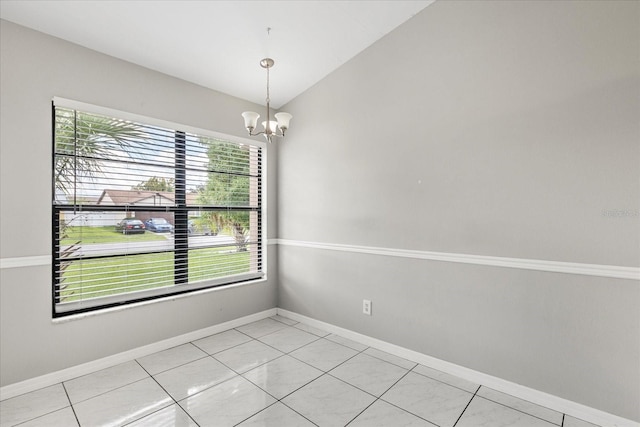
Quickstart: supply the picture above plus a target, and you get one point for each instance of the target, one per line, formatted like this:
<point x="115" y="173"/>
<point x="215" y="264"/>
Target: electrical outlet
<point x="366" y="307"/>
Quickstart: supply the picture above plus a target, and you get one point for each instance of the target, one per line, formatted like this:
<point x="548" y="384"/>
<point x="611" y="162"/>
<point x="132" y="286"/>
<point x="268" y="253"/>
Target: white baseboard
<point x="550" y="401"/>
<point x="47" y="380"/>
<point x="555" y="403"/>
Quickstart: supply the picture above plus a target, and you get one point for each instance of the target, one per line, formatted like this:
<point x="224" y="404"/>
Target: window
<point x="142" y="211"/>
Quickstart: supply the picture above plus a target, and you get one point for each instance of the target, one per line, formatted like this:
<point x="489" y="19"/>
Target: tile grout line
<point x="468" y="403"/>
<point x="149" y="376"/>
<point x="175" y="402"/>
<point x="328" y="372"/>
<point x="268" y="345"/>
<point x="73" y="409"/>
<point x="440" y="381"/>
<point x="284" y="403"/>
<point x="260" y="411"/>
<point x="288" y="352"/>
<point x="403" y="409"/>
<point x="315" y="379"/>
<point x="321" y="336"/>
<point x="177" y="366"/>
<point x="285" y="323"/>
<point x="323" y="372"/>
<point x="395" y="364"/>
<point x="494" y="401"/>
<point x="233" y="346"/>
<point x="237" y="372"/>
<point x="113" y="389"/>
<point x="523" y="412"/>
<point x="358" y="352"/>
<point x="309" y="343"/>
<point x="377" y="398"/>
<point x="278" y="400"/>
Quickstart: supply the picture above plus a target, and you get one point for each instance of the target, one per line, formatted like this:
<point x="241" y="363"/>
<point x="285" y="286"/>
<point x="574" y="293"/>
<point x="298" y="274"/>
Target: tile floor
<point x="274" y="372"/>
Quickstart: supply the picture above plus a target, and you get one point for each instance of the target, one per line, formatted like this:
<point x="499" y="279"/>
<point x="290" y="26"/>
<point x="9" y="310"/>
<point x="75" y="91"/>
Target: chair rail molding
<point x="610" y="271"/>
<point x="600" y="270"/>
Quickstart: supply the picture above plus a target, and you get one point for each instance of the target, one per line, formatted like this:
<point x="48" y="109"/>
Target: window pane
<point x="93" y="278"/>
<point x="210" y="263"/>
<point x="143" y="211"/>
<point x="223" y="242"/>
<point x="222" y="173"/>
<point x="106" y="233"/>
<point x="95" y="154"/>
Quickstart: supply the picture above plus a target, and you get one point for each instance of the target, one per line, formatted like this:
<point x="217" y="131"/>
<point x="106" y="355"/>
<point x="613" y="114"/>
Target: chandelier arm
<point x="279" y="135"/>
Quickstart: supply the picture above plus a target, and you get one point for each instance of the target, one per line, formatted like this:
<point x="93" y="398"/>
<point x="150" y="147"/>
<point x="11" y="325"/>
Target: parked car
<point x="158" y="225"/>
<point x="130" y="226"/>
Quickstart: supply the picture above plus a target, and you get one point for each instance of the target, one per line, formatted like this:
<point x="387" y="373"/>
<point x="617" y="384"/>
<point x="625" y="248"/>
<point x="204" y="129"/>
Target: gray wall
<point x="505" y="129"/>
<point x="34" y="69"/>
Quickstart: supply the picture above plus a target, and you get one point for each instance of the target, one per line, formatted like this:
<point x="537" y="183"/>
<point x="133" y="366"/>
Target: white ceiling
<point x="219" y="44"/>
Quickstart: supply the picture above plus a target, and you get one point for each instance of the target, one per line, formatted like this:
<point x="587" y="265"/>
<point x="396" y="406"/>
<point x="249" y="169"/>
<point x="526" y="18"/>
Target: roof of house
<point x="131" y="197"/>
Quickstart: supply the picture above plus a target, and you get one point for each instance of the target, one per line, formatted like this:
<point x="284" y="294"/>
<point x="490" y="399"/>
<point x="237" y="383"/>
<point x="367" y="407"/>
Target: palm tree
<point x="82" y="140"/>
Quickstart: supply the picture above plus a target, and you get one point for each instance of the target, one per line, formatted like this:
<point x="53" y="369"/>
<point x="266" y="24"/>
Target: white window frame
<point x="108" y="302"/>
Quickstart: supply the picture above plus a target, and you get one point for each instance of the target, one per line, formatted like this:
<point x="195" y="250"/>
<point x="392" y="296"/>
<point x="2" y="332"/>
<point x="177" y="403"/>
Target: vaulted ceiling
<point x="219" y="44"/>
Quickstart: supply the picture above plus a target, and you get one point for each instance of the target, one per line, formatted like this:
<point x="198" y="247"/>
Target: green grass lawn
<point x="89" y="235"/>
<point x="94" y="278"/>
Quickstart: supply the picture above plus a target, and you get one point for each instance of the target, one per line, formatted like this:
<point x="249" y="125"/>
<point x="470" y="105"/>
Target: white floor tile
<point x="261" y="327"/>
<point x="574" y="422"/>
<point x="368" y="373"/>
<point x="32" y="405"/>
<point x="123" y="405"/>
<point x="328" y="401"/>
<point x="485" y="413"/>
<point x="171" y="416"/>
<point x="194" y="377"/>
<point x="247" y="356"/>
<point x="226" y="404"/>
<point x="171" y="358"/>
<point x="427" y="398"/>
<point x="236" y="378"/>
<point x="324" y="354"/>
<point x="383" y="414"/>
<point x="311" y="329"/>
<point x="284" y="320"/>
<point x="399" y="361"/>
<point x="88" y="386"/>
<point x="446" y="378"/>
<point x="61" y="418"/>
<point x="282" y="376"/>
<point x="222" y="341"/>
<point x="346" y="342"/>
<point x="521" y="405"/>
<point x="277" y="415"/>
<point x="288" y="339"/>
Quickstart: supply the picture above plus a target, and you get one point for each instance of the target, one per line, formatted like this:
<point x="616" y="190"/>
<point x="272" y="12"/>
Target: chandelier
<point x="272" y="128"/>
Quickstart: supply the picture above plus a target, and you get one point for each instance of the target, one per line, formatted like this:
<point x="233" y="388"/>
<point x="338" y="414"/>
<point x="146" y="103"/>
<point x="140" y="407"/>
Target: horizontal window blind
<point x="142" y="211"/>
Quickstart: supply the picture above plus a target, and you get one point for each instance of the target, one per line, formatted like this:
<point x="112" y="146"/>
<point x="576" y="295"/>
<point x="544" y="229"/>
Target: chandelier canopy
<point x="272" y="128"/>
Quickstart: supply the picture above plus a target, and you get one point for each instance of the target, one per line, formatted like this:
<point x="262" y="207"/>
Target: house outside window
<point x="143" y="211"/>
